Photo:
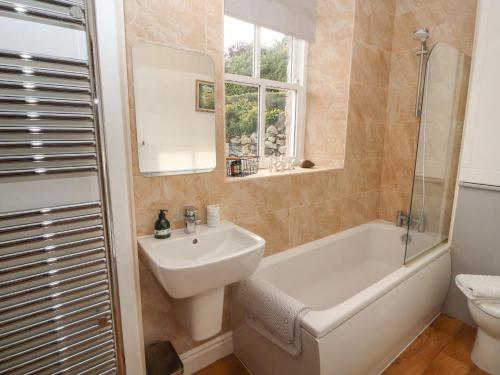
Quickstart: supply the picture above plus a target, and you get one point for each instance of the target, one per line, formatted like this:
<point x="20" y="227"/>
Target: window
<point x="264" y="85"/>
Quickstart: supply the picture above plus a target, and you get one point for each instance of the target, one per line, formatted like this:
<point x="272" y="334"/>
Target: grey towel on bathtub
<point x="272" y="313"/>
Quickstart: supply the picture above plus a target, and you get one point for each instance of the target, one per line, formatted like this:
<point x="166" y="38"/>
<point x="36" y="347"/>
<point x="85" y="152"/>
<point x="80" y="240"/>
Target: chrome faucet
<point x="420" y="223"/>
<point x="402" y="219"/>
<point x="411" y="221"/>
<point x="190" y="219"/>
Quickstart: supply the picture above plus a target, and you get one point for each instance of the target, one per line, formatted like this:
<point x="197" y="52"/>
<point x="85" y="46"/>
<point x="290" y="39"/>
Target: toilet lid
<point x="491" y="308"/>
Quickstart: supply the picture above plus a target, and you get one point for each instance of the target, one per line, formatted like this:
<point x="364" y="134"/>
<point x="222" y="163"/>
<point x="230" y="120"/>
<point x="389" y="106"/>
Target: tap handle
<point x="400" y="218"/>
<point x="190" y="211"/>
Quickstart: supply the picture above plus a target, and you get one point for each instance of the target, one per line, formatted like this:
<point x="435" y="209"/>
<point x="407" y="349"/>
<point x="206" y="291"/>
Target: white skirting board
<point x="207" y="353"/>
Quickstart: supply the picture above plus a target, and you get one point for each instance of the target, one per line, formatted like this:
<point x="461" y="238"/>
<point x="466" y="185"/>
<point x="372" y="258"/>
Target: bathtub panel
<point x="371" y="339"/>
<point x="263" y="357"/>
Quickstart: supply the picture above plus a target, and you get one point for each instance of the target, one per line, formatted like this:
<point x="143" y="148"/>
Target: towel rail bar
<point x="30" y="56"/>
<point x="110" y="371"/>
<point x="99" y="317"/>
<point x="50" y="248"/>
<point x="52" y="235"/>
<point x="50" y="343"/>
<point x="45" y="115"/>
<point x="43" y="86"/>
<point x="44" y="100"/>
<point x="47" y="157"/>
<point x="49" y="210"/>
<point x="46" y="143"/>
<point x="49" y="261"/>
<point x="27" y="10"/>
<point x="50" y="222"/>
<point x="43" y="72"/>
<point x="52" y="308"/>
<point x="53" y="319"/>
<point x="53" y="296"/>
<point x="59" y="351"/>
<point x="53" y="272"/>
<point x="47" y="170"/>
<point x="52" y="284"/>
<point x="64" y="2"/>
<point x="92" y="369"/>
<point x="46" y="129"/>
<point x="81" y="363"/>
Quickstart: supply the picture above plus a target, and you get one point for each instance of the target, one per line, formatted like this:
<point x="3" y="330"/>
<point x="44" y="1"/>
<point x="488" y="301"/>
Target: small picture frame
<point x="205" y="96"/>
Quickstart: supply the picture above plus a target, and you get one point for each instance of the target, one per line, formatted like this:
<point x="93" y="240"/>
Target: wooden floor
<point x="229" y="365"/>
<point x="442" y="349"/>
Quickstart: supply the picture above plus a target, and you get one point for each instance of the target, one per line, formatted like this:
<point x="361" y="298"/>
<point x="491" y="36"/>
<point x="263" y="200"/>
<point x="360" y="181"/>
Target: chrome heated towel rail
<point x="58" y="298"/>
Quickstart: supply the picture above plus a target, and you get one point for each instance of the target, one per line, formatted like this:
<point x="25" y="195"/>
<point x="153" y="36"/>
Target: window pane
<point x="242" y="102"/>
<point x="275" y="56"/>
<point x="280" y="111"/>
<point x="238" y="46"/>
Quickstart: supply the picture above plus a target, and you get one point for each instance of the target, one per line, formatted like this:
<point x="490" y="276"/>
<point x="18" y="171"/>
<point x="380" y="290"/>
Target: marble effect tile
<point x="370" y="65"/>
<point x="272" y="226"/>
<point x="314" y="221"/>
<point x="374" y="23"/>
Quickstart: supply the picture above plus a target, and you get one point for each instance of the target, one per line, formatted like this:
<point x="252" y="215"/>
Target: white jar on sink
<point x="213" y="215"/>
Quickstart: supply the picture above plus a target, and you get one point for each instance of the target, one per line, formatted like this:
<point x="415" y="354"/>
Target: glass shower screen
<point x="438" y="149"/>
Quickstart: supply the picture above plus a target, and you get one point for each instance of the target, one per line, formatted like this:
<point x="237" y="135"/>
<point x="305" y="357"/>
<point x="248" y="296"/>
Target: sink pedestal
<point x="201" y="315"/>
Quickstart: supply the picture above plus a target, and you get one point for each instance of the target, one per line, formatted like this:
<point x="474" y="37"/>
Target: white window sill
<point x="264" y="173"/>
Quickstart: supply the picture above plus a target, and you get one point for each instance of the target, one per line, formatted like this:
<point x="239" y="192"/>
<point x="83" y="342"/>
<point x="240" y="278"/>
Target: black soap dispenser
<point x="162" y="226"/>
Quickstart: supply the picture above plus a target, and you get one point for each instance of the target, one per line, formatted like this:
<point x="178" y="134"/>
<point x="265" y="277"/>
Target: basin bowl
<point x="194" y="268"/>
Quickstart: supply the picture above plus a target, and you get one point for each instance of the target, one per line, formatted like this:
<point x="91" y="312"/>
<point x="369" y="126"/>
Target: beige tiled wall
<point x="366" y="119"/>
<point x="329" y="64"/>
<point x="449" y="21"/>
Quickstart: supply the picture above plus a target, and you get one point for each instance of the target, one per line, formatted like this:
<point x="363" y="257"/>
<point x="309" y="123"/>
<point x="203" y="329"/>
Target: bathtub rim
<point x="320" y="322"/>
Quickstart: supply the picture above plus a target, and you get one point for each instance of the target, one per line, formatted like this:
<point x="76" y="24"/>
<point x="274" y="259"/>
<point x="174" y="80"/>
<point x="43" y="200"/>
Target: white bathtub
<point x="367" y="306"/>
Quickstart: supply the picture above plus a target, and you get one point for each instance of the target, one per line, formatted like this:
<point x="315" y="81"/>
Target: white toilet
<point x="486" y="313"/>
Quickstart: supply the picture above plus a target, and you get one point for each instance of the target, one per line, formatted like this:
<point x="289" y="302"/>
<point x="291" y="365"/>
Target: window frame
<point x="298" y="74"/>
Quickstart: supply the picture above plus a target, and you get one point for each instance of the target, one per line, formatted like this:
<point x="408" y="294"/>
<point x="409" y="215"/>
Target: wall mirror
<point x="175" y="110"/>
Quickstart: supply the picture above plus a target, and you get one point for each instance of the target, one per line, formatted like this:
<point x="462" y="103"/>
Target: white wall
<point x="111" y="44"/>
<point x="481" y="155"/>
<point x="475" y="244"/>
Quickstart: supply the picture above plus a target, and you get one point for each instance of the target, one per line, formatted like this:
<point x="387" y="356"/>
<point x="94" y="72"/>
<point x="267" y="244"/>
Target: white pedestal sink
<point x="194" y="268"/>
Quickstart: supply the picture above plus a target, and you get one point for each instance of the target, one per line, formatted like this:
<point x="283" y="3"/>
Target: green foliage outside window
<point x="242" y="100"/>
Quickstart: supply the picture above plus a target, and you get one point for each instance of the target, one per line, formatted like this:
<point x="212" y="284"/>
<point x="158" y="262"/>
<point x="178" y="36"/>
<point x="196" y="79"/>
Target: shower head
<point x="421" y="34"/>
